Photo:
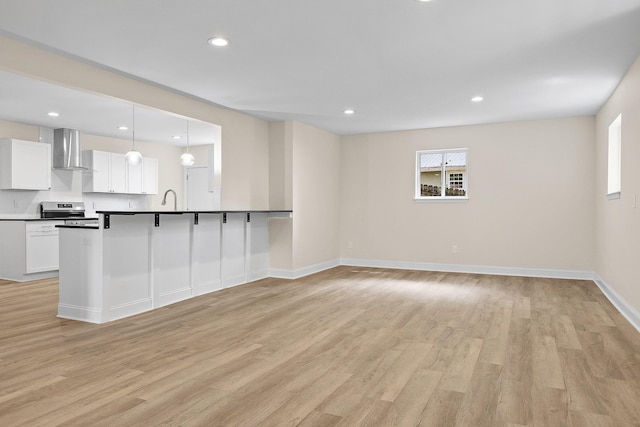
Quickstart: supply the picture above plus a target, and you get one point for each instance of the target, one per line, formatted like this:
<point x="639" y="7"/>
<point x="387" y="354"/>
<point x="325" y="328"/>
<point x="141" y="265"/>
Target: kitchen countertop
<point x="189" y="212"/>
<point x="45" y="219"/>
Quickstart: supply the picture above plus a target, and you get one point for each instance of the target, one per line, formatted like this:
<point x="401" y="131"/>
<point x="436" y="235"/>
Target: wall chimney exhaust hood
<point x="67" y="153"/>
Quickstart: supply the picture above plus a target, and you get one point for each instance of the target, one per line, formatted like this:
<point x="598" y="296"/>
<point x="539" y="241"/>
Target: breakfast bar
<point x="134" y="262"/>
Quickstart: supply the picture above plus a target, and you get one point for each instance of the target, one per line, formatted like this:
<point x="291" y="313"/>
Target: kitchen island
<point x="138" y="261"/>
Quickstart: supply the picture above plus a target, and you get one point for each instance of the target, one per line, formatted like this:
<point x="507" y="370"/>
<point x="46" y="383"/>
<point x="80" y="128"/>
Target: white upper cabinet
<point x="118" y="173"/>
<point x="100" y="165"/>
<point x="143" y="177"/>
<point x="134" y="178"/>
<point x="98" y="180"/>
<point x="149" y="175"/>
<point x="25" y="165"/>
<point x="112" y="174"/>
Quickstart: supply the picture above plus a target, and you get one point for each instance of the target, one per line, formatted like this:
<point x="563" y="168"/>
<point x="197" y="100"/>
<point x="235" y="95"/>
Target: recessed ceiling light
<point x="122" y="128"/>
<point x="424" y="1"/>
<point x="53" y="114"/>
<point x="477" y="99"/>
<point x="218" y="41"/>
<point x="349" y="111"/>
<point x="176" y="137"/>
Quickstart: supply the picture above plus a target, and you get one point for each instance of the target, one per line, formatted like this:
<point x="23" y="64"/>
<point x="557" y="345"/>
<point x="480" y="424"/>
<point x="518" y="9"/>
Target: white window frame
<point x="443" y="180"/>
<point x="614" y="159"/>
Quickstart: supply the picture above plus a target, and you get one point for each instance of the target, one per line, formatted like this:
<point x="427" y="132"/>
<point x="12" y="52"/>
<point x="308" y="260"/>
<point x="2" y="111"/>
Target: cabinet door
<point x="149" y="175"/>
<point x="100" y="163"/>
<point x="26" y="165"/>
<point x="134" y="178"/>
<point x="118" y="173"/>
<point x="233" y="250"/>
<point x="42" y="244"/>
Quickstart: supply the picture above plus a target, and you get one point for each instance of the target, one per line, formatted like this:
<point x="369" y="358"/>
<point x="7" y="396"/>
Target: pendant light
<point x="133" y="157"/>
<point x="187" y="158"/>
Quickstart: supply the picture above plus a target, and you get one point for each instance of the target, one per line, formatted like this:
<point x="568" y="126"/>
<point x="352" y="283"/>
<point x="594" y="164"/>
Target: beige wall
<point x="13" y="130"/>
<point x="280" y="165"/>
<point x="281" y="194"/>
<point x="304" y="176"/>
<point x="316" y="196"/>
<point x="618" y="221"/>
<point x="245" y="146"/>
<point x="530" y="197"/>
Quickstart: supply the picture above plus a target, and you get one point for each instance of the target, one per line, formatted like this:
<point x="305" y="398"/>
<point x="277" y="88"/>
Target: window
<point x="615" y="158"/>
<point x="455" y="180"/>
<point x="441" y="174"/>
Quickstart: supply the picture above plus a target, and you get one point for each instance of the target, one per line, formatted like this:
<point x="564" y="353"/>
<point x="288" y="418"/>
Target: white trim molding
<point x="630" y="313"/>
<point x="305" y="271"/>
<point x="473" y="269"/>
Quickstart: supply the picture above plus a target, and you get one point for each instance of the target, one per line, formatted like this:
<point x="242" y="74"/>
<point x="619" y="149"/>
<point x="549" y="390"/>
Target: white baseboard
<point x="207" y="287"/>
<point x="257" y="275"/>
<point x="172" y="297"/>
<point x="84" y="314"/>
<point x="231" y="281"/>
<point x="305" y="271"/>
<point x="630" y="313"/>
<point x="129" y="309"/>
<point x="473" y="269"/>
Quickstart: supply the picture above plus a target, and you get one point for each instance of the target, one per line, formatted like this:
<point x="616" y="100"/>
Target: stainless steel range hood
<point x="67" y="152"/>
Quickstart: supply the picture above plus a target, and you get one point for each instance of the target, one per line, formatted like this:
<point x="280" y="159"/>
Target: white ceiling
<point x="401" y="64"/>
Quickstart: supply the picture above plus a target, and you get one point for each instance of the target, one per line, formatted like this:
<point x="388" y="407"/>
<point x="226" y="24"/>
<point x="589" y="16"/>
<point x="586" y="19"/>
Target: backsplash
<point x="66" y="186"/>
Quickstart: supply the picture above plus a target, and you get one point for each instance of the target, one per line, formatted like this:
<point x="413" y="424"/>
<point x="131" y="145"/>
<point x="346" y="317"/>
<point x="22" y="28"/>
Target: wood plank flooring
<point x="345" y="347"/>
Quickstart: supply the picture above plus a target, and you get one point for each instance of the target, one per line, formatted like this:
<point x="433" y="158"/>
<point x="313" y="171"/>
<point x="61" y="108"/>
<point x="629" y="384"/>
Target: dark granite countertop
<point x="47" y="219"/>
<point x="189" y="212"/>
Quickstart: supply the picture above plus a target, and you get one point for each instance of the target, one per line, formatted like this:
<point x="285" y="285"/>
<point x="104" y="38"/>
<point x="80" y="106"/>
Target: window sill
<point x="450" y="199"/>
<point x="613" y="196"/>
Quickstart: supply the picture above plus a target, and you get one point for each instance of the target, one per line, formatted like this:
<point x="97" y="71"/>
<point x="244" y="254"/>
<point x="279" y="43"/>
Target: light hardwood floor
<point x="346" y="347"/>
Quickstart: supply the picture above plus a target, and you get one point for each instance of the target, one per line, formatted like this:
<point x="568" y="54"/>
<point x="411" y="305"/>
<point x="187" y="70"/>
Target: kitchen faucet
<point x="175" y="199"/>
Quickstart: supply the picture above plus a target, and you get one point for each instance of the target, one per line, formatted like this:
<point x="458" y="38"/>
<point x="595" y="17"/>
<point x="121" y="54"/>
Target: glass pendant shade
<point x="133" y="157"/>
<point x="187" y="159"/>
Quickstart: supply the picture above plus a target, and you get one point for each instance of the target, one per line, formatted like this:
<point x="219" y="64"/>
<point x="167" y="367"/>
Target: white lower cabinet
<point x="41" y="246"/>
<point x="32" y="252"/>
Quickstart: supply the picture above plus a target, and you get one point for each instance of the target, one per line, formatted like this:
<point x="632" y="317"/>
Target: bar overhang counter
<point x="138" y="261"/>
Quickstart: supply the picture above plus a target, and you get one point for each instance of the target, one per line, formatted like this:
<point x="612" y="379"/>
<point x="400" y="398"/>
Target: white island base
<point x="133" y="263"/>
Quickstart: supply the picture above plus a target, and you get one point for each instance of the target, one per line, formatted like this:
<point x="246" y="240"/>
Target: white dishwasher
<point x="42" y="247"/>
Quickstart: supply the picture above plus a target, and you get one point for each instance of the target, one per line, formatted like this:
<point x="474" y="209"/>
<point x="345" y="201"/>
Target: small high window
<point x="441" y="174"/>
<point x="614" y="171"/>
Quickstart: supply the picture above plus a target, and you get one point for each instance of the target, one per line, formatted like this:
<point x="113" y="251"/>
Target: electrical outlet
<point x="454" y="249"/>
<point x="17" y="204"/>
<point x="349" y="245"/>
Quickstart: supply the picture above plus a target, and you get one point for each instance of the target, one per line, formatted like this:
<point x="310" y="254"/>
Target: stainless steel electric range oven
<point x="73" y="213"/>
